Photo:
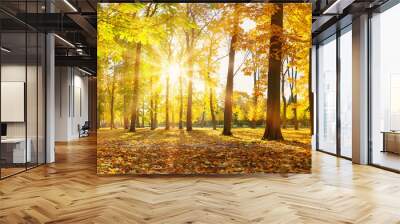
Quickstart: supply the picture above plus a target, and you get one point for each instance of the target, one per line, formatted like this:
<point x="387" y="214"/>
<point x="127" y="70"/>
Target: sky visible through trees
<point x="204" y="65"/>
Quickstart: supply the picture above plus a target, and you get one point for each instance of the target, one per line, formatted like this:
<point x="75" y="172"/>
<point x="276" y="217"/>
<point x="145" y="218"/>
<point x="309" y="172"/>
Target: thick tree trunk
<point x="135" y="88"/>
<point x="229" y="82"/>
<point x="180" y="102"/>
<point x="214" y="122"/>
<point x="273" y="124"/>
<point x="167" y="105"/>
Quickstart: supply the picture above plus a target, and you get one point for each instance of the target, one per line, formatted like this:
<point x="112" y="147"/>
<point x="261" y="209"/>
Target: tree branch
<point x="245" y="57"/>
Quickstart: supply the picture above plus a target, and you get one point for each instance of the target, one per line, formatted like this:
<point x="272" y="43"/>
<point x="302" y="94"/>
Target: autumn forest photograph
<point x="204" y="88"/>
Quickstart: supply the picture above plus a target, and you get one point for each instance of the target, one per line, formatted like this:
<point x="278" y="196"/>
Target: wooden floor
<point x="70" y="192"/>
<point x="387" y="159"/>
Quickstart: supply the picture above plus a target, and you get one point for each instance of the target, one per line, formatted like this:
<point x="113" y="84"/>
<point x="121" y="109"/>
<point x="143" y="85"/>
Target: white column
<point x="360" y="89"/>
<point x="50" y="99"/>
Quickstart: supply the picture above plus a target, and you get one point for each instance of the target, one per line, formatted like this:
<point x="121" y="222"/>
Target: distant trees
<point x="213" y="48"/>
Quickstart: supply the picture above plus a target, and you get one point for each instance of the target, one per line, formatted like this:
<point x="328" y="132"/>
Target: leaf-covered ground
<point x="202" y="151"/>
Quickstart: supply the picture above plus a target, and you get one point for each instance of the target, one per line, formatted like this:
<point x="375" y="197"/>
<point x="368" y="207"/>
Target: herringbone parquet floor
<point x="70" y="192"/>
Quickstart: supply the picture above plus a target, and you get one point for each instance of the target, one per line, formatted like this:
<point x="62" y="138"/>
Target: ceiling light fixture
<point x="65" y="41"/>
<point x="84" y="71"/>
<point x="70" y="5"/>
<point x="337" y="7"/>
<point x="5" y="50"/>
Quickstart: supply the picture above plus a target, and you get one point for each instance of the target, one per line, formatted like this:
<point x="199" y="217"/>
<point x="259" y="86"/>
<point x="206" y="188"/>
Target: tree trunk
<point x="294" y="93"/>
<point x="156" y="112"/>
<point x="135" y="88"/>
<point x="255" y="99"/>
<point x="203" y="118"/>
<point x="189" y="44"/>
<point x="212" y="112"/>
<point x="112" y="126"/>
<point x="273" y="123"/>
<point x="126" y="118"/>
<point x="167" y="105"/>
<point x="172" y="123"/>
<point x="295" y="120"/>
<point x="284" y="115"/>
<point x="189" y="104"/>
<point x="229" y="81"/>
<point x="137" y="118"/>
<point x="152" y="124"/>
<point x="214" y="123"/>
<point x="143" y="113"/>
<point x="180" y="101"/>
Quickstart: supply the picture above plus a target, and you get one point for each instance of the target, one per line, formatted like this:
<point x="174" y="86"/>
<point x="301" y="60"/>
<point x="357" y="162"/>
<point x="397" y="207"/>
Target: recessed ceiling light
<point x="84" y="71"/>
<point x="337" y="7"/>
<point x="65" y="41"/>
<point x="5" y="50"/>
<point x="70" y="5"/>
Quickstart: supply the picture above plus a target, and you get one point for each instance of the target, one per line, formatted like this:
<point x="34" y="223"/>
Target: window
<point x="385" y="89"/>
<point x="22" y="77"/>
<point x="327" y="95"/>
<point x="346" y="92"/>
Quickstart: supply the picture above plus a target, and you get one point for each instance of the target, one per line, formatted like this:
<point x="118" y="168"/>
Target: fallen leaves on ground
<point x="201" y="151"/>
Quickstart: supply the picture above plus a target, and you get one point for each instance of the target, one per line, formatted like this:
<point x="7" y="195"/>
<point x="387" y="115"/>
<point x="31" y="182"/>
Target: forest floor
<point x="201" y="151"/>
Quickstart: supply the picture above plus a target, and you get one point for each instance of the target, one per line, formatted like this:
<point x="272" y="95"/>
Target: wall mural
<point x="203" y="88"/>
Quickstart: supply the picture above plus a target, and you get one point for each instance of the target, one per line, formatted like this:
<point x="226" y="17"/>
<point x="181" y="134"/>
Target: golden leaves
<point x="201" y="151"/>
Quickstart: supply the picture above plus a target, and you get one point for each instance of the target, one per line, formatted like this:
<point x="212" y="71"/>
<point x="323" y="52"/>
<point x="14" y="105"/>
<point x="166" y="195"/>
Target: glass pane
<point x="31" y="98"/>
<point x="14" y="154"/>
<point x="327" y="96"/>
<point x="346" y="94"/>
<point x="385" y="84"/>
<point x="41" y="99"/>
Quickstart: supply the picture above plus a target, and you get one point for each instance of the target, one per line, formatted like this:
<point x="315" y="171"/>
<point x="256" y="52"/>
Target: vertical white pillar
<point x="50" y="99"/>
<point x="360" y="90"/>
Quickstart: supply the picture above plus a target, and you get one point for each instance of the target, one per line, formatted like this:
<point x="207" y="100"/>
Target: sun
<point x="174" y="72"/>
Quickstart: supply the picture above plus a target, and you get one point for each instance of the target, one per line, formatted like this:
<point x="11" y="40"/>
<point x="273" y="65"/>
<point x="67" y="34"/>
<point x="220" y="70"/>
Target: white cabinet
<point x="19" y="155"/>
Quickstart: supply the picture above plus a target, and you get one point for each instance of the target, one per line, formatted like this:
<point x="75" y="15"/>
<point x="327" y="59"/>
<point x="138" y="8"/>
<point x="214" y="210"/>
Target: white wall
<point x="33" y="127"/>
<point x="16" y="73"/>
<point x="12" y="73"/>
<point x="71" y="102"/>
